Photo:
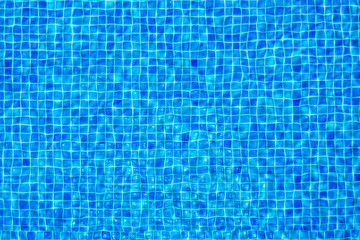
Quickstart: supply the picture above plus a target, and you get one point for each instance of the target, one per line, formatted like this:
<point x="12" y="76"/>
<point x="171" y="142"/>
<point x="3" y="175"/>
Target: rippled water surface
<point x="179" y="119"/>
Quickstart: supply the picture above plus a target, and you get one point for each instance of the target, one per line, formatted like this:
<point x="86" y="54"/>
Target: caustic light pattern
<point x="180" y="119"/>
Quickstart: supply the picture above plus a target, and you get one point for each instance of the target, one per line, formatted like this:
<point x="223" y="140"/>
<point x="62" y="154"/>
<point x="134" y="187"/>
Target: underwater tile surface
<point x="180" y="119"/>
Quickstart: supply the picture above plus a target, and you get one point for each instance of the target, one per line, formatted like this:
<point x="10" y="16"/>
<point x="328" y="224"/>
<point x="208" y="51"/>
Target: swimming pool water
<point x="180" y="119"/>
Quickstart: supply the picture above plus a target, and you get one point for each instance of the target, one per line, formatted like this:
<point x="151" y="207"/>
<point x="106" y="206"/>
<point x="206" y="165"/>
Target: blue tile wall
<point x="180" y="119"/>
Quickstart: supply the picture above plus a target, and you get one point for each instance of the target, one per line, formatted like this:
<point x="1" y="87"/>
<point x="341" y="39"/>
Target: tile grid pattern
<point x="179" y="119"/>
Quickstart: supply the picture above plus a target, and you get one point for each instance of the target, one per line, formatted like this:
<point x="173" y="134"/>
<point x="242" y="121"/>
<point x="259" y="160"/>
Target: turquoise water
<point x="179" y="119"/>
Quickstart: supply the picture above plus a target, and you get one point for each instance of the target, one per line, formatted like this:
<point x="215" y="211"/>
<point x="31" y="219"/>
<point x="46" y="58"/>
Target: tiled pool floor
<point x="179" y="119"/>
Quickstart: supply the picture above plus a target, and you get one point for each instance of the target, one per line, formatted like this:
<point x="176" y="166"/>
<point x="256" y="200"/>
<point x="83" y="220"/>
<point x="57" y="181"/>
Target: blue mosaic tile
<point x="180" y="119"/>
